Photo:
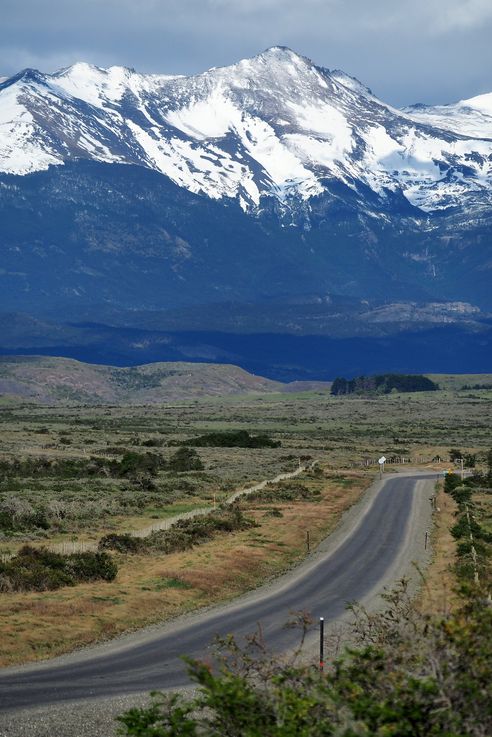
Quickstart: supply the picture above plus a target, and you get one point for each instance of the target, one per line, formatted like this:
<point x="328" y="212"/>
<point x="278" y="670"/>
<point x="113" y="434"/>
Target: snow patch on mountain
<point x="20" y="152"/>
<point x="209" y="118"/>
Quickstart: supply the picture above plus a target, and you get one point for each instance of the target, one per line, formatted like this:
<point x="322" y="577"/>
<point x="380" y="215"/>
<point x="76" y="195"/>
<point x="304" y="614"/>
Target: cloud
<point x="462" y="14"/>
<point x="406" y="50"/>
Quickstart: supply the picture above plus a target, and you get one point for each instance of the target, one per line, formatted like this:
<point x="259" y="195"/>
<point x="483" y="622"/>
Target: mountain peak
<point x="275" y="61"/>
<point x="79" y="67"/>
<point x="25" y="75"/>
<point x="280" y="56"/>
<point x="281" y="53"/>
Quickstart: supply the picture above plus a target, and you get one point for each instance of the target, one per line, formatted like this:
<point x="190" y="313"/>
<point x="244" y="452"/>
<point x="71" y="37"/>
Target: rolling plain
<point x="65" y="485"/>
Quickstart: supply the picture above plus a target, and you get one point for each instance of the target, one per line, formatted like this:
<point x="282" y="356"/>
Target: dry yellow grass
<point x="150" y="589"/>
<point x="438" y="594"/>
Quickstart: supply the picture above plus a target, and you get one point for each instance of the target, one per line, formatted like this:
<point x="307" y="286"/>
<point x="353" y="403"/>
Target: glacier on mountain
<point x="274" y="126"/>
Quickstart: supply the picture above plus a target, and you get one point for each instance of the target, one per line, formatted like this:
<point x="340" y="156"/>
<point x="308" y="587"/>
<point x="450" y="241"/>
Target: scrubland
<point x="71" y="475"/>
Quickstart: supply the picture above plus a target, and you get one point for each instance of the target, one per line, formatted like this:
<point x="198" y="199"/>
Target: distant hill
<point x="49" y="380"/>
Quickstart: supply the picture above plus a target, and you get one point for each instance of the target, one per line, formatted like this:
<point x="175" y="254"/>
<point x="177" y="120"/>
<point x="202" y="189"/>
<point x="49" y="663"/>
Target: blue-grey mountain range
<point x="274" y="214"/>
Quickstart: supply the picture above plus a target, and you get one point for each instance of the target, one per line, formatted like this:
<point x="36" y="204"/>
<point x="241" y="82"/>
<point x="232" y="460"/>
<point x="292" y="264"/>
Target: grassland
<point x="343" y="433"/>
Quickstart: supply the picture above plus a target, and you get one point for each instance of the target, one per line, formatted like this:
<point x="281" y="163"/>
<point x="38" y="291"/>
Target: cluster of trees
<point x="130" y="464"/>
<point x="383" y="384"/>
<point x="231" y="439"/>
<point x="470" y="461"/>
<point x="474" y="549"/>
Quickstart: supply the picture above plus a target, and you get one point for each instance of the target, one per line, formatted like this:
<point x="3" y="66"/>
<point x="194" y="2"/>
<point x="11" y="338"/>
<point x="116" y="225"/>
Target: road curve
<point x="355" y="568"/>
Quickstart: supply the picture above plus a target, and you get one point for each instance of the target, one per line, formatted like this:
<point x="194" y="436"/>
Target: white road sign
<point x="382" y="460"/>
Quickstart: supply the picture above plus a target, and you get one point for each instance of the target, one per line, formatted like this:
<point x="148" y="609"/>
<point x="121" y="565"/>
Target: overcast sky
<point x="431" y="51"/>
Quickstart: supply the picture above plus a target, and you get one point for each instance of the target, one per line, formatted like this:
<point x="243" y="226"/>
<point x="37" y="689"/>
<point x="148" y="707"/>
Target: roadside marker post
<point x="321" y="644"/>
<point x="308" y="541"/>
<point x="381" y="462"/>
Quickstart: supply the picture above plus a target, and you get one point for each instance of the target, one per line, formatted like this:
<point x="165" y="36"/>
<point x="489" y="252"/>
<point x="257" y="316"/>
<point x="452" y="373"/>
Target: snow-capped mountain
<point x="272" y="196"/>
<point x="275" y="126"/>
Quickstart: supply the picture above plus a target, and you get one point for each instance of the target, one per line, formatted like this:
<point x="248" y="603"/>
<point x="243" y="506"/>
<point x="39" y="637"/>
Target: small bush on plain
<point x="39" y="569"/>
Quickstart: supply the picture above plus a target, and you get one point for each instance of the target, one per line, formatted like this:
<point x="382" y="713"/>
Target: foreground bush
<point x="39" y="569"/>
<point x="409" y="676"/>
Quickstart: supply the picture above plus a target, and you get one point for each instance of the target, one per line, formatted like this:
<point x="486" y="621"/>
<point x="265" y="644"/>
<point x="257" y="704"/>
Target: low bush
<point x="285" y="492"/>
<point x="187" y="533"/>
<point x="123" y="543"/>
<point x="183" y="535"/>
<point x="17" y="515"/>
<point x="232" y="439"/>
<point x="39" y="569"/>
<point x="185" y="459"/>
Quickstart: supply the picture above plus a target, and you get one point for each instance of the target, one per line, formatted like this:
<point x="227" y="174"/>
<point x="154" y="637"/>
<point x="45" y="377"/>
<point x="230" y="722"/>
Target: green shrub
<point x="130" y="464"/>
<point x="153" y="443"/>
<point x="133" y="463"/>
<point x="285" y="491"/>
<point x="123" y="543"/>
<point x="407" y="676"/>
<point x="232" y="439"/>
<point x="39" y="569"/>
<point x="185" y="459"/>
<point x="90" y="566"/>
<point x="451" y="481"/>
<point x="461" y="494"/>
<point x="187" y="533"/>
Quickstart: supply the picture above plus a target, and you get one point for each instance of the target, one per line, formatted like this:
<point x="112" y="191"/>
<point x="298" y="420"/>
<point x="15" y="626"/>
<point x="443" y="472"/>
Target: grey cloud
<point x="405" y="50"/>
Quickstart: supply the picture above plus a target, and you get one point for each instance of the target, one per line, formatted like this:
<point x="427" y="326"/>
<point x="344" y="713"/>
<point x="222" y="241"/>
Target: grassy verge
<point x="152" y="588"/>
<point x="438" y="595"/>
